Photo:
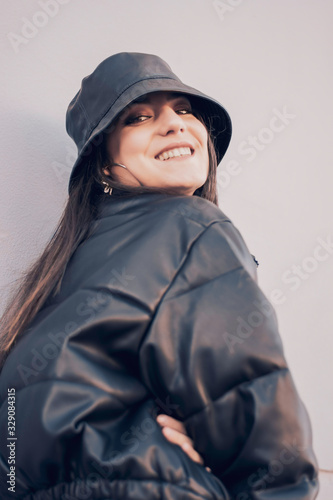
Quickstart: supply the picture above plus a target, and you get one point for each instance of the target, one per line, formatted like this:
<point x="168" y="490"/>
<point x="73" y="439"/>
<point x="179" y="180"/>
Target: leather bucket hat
<point x="121" y="79"/>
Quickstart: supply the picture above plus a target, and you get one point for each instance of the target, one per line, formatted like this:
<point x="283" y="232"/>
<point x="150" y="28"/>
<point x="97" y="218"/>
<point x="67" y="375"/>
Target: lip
<point x="175" y="145"/>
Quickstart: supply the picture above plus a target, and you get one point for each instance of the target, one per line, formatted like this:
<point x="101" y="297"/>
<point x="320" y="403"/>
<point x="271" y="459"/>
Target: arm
<point x="213" y="347"/>
<point x="71" y="395"/>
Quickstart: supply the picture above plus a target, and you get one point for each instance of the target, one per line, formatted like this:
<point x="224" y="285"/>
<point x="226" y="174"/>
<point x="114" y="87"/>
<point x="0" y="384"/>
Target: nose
<point x="170" y="122"/>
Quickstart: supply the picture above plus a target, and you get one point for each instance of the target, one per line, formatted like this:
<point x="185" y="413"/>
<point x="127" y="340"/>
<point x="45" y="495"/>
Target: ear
<point x="106" y="171"/>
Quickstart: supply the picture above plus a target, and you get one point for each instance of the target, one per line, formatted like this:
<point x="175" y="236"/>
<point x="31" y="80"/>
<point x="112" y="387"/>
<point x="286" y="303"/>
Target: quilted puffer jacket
<point x="159" y="311"/>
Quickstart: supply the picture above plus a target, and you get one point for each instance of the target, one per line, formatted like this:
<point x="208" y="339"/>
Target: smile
<point x="175" y="153"/>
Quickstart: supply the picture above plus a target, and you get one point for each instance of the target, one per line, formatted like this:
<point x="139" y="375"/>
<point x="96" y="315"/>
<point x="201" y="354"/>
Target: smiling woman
<point x="162" y="144"/>
<point x="146" y="302"/>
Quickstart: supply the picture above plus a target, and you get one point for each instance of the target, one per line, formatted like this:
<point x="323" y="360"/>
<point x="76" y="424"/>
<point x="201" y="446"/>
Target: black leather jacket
<point x="159" y="310"/>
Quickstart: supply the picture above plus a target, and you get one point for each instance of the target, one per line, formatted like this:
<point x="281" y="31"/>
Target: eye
<point x="184" y="109"/>
<point x="136" y="119"/>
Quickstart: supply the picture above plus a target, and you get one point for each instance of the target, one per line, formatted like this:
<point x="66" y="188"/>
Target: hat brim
<point x="213" y="113"/>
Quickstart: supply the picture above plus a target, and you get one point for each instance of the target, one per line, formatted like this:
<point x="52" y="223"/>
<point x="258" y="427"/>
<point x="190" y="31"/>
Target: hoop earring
<point x="108" y="188"/>
<point x="119" y="165"/>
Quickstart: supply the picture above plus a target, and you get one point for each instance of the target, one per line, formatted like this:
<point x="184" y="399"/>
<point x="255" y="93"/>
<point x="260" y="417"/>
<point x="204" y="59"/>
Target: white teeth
<point x="174" y="152"/>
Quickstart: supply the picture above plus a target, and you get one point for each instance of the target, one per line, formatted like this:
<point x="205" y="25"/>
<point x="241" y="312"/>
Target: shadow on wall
<point x="31" y="193"/>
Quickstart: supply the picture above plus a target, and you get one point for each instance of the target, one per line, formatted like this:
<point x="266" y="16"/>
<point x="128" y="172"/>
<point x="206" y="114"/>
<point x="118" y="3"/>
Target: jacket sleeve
<point x="73" y="401"/>
<point x="214" y="350"/>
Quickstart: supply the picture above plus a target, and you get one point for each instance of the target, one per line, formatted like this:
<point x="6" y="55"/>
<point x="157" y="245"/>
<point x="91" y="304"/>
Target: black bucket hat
<point x="121" y="79"/>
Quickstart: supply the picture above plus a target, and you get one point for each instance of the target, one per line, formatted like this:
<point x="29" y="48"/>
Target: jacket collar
<point x="120" y="201"/>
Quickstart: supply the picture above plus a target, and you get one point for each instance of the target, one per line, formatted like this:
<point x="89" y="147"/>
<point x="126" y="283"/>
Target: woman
<point x="147" y="302"/>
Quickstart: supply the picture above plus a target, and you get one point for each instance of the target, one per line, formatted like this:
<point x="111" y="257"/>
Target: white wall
<point x="260" y="59"/>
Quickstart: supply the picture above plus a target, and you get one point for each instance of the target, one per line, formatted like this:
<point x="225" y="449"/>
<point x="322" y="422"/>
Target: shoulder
<point x="157" y="206"/>
<point x="171" y="227"/>
<point x="213" y="226"/>
<point x="158" y="221"/>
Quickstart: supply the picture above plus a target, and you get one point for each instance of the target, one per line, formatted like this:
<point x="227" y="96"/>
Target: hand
<point x="175" y="432"/>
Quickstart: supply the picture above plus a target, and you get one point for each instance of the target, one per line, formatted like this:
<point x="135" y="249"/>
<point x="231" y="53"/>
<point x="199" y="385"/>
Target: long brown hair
<point x="43" y="279"/>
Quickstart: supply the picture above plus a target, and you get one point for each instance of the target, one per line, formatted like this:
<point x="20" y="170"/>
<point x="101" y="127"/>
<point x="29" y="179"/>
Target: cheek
<point x="204" y="136"/>
<point x="199" y="131"/>
<point x="112" y="146"/>
<point x="204" y="142"/>
<point x="203" y="139"/>
<point x="131" y="143"/>
<point x="121" y="143"/>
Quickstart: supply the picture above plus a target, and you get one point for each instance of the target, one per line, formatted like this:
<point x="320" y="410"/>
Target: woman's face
<point x="161" y="143"/>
